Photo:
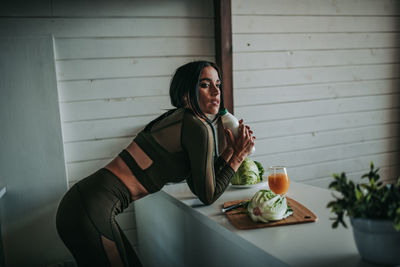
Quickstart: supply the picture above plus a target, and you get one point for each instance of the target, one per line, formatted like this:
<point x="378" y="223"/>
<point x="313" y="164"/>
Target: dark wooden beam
<point x="223" y="47"/>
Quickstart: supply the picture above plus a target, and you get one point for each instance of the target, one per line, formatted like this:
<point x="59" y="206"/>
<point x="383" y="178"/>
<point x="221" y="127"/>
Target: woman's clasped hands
<point x="243" y="143"/>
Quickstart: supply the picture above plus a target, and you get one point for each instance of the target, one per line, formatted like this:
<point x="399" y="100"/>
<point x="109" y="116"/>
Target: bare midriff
<point x="122" y="171"/>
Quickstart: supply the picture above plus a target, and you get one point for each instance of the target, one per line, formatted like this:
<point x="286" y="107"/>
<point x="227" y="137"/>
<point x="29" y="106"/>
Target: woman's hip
<point x="97" y="197"/>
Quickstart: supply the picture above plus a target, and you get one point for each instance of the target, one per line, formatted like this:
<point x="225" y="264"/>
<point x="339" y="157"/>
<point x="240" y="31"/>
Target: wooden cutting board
<point x="242" y="221"/>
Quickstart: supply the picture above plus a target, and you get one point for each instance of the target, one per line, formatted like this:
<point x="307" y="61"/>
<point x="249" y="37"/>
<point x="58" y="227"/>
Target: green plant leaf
<point x="365" y="200"/>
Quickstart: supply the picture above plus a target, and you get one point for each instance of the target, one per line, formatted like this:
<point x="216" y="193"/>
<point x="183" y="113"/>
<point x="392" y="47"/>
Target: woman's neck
<point x="211" y="117"/>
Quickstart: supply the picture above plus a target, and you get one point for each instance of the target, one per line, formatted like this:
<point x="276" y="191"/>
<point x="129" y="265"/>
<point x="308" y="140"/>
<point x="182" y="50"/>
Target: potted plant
<point x="374" y="211"/>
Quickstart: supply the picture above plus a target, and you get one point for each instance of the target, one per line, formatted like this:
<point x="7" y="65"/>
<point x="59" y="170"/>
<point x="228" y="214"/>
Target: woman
<point x="183" y="143"/>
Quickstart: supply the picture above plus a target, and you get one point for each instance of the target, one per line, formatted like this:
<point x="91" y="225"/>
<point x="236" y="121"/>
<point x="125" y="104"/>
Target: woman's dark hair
<point x="185" y="83"/>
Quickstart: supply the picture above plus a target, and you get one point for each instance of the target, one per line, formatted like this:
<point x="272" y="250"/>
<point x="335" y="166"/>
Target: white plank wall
<point x="318" y="81"/>
<point x="113" y="79"/>
<point x="114" y="61"/>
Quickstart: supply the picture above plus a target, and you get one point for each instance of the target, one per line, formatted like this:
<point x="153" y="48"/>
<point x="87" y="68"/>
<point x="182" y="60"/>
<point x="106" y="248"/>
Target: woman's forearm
<point x="236" y="160"/>
<point x="227" y="154"/>
<point x="233" y="159"/>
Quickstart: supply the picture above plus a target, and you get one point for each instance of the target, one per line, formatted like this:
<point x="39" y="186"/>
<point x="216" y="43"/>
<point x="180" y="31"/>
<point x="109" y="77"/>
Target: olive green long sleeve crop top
<point x="182" y="146"/>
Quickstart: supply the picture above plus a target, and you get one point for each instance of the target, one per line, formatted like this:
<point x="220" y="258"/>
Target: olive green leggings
<point x="86" y="221"/>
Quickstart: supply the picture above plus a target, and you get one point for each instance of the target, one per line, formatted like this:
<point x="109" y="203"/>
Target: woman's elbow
<point x="207" y="201"/>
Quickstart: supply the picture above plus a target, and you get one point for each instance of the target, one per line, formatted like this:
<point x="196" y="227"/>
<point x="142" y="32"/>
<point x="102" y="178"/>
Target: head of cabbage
<point x="248" y="173"/>
<point x="267" y="206"/>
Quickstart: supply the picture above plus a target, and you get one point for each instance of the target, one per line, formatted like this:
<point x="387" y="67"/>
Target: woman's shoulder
<point x="193" y="124"/>
<point x="190" y="117"/>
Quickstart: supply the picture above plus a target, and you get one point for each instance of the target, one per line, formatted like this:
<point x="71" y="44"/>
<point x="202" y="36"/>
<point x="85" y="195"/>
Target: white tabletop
<point x="297" y="245"/>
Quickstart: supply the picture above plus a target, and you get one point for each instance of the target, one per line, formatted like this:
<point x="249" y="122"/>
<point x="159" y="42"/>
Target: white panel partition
<point x="114" y="67"/>
<point x="114" y="61"/>
<point x="32" y="157"/>
<point x="318" y="82"/>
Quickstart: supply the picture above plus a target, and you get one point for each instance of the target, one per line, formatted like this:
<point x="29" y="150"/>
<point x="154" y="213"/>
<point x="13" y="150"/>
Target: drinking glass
<point x="278" y="180"/>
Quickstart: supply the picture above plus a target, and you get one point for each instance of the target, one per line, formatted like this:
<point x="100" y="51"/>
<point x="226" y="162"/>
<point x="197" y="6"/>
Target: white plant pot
<point x="377" y="240"/>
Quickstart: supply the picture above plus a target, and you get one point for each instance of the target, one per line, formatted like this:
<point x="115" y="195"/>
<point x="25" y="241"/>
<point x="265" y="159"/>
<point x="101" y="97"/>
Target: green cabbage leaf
<point x="260" y="169"/>
<point x="266" y="206"/>
<point x="248" y="173"/>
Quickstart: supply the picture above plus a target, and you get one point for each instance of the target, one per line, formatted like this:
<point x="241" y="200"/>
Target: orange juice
<point x="278" y="182"/>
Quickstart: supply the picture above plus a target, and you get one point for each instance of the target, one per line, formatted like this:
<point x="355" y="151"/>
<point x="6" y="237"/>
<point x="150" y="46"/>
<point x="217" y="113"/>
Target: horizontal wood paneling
<point x="329" y="153"/>
<point x="114" y="61"/>
<point x="181" y="26"/>
<point x="82" y="69"/>
<point x="95" y="149"/>
<point x="317" y="81"/>
<point x="316" y="7"/>
<point x="95" y="89"/>
<point x="317" y="108"/>
<point x="114" y="108"/>
<point x="320" y="139"/>
<point x="148" y="8"/>
<point x="312" y="125"/>
<point x="297" y="24"/>
<point x="104" y="128"/>
<point x="308" y="92"/>
<point x="387" y="174"/>
<point x="114" y="64"/>
<point x="295" y="140"/>
<point x="287" y="76"/>
<point x="297" y="41"/>
<point x="360" y="164"/>
<point x="78" y="48"/>
<point x="104" y="8"/>
<point x="307" y="58"/>
<point x="25" y="8"/>
<point x="78" y="170"/>
<point x="268" y="149"/>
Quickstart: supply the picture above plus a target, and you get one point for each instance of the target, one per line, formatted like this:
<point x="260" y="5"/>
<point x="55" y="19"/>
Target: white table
<point x="176" y="229"/>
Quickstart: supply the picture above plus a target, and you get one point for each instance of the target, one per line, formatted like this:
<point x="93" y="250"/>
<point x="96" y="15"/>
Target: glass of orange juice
<point x="278" y="180"/>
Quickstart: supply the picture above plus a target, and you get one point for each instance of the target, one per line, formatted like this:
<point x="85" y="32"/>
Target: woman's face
<point x="209" y="93"/>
